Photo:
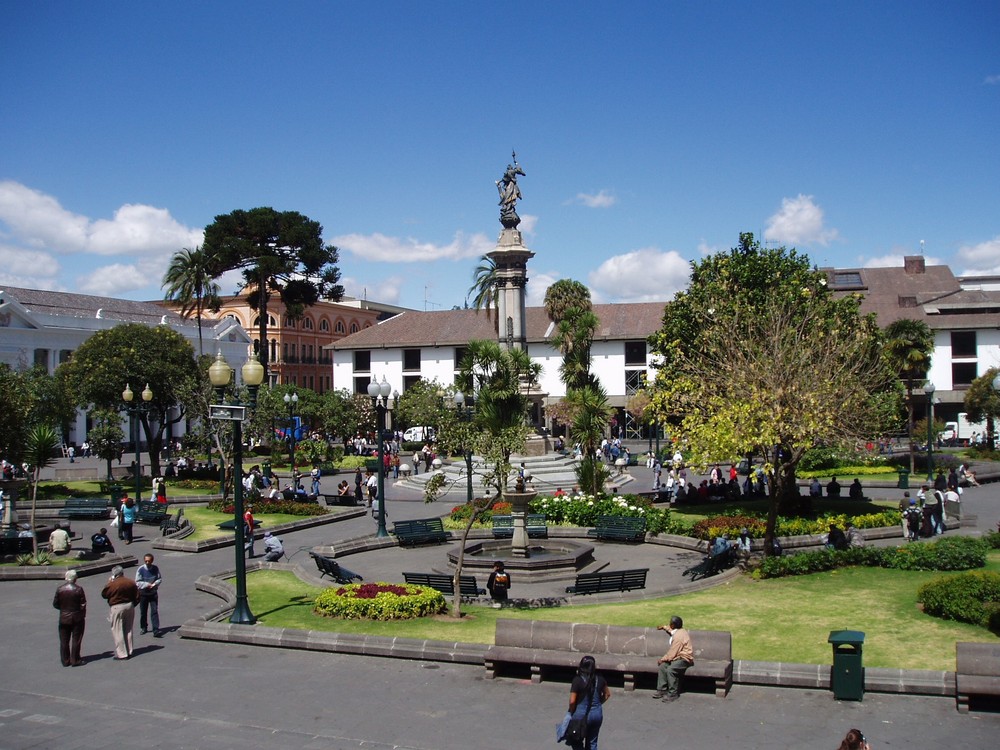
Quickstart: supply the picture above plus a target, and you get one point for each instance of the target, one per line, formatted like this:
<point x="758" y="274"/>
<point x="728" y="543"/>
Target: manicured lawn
<point x="786" y="619"/>
<point x="206" y="521"/>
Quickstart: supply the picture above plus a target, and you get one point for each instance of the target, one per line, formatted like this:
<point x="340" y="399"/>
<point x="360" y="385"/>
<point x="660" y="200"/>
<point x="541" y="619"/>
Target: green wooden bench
<point x="620" y="528"/>
<point x="610" y="580"/>
<point x="446" y="583"/>
<point x="170" y="524"/>
<point x="85" y="507"/>
<point x="150" y="511"/>
<point x="420" y="531"/>
<point x="12" y="544"/>
<point x="534" y="523"/>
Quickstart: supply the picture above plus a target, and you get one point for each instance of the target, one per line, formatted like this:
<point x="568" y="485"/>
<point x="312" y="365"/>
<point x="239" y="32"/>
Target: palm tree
<point x="909" y="345"/>
<point x="39" y="451"/>
<point x="563" y="295"/>
<point x="484" y="287"/>
<point x="573" y="336"/>
<point x="591" y="412"/>
<point x="189" y="282"/>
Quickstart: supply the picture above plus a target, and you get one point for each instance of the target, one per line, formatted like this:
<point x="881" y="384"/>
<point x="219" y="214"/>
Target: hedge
<point x="714" y="526"/>
<point x="958" y="553"/>
<point x="265" y="506"/>
<point x="969" y="597"/>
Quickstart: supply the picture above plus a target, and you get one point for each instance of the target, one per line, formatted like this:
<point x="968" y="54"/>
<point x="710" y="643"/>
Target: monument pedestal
<point x="518" y="509"/>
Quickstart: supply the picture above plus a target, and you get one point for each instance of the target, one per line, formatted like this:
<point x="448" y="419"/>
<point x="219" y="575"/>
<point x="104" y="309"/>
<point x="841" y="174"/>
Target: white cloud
<point x="380" y="248"/>
<point x="38" y="220"/>
<point x="646" y="275"/>
<point x="527" y="226"/>
<point x="602" y="199"/>
<point x="31" y="269"/>
<point x="981" y="258"/>
<point x="386" y="289"/>
<point x="884" y="261"/>
<point x="110" y="281"/>
<point x="704" y="249"/>
<point x="799" y="222"/>
<point x="538" y="284"/>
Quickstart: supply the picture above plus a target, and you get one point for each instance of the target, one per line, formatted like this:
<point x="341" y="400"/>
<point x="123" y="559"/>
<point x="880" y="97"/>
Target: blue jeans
<point x="149" y="605"/>
<point x="594" y="721"/>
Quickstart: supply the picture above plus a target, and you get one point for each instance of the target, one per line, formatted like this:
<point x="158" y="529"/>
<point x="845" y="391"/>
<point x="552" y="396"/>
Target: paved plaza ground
<point x="177" y="694"/>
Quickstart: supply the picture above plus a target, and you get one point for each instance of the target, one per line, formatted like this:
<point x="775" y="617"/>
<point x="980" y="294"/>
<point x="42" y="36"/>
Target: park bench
<point x="977" y="673"/>
<point x="170" y="524"/>
<point x="85" y="507"/>
<point x="534" y="524"/>
<point x="609" y="580"/>
<point x="327" y="566"/>
<point x="620" y="528"/>
<point x="446" y="583"/>
<point x="420" y="531"/>
<point x="629" y="651"/>
<point x="150" y="511"/>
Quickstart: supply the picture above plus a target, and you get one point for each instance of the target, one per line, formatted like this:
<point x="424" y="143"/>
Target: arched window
<point x="289" y="323"/>
<point x="339" y="327"/>
<point x="354" y="328"/>
<point x="324" y="325"/>
<point x="307" y="324"/>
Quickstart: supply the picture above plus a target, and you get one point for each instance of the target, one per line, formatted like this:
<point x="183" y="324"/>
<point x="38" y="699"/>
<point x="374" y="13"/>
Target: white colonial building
<point x="430" y="346"/>
<point x="45" y="328"/>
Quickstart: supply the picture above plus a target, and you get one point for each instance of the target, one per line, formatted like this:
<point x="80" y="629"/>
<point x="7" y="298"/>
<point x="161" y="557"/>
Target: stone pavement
<point x="178" y="694"/>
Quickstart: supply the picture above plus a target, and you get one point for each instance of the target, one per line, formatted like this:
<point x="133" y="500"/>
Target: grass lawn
<point x="787" y="619"/>
<point x="206" y="521"/>
<point x="56" y="561"/>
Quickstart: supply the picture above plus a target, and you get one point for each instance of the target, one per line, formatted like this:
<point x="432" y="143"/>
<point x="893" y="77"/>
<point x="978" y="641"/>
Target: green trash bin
<point x="847" y="678"/>
<point x="266" y="468"/>
<point x="116" y="495"/>
<point x="904" y="479"/>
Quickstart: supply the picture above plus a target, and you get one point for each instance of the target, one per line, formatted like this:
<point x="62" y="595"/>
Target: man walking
<point x="678" y="659"/>
<point x="122" y="595"/>
<point x="71" y="601"/>
<point x="147" y="580"/>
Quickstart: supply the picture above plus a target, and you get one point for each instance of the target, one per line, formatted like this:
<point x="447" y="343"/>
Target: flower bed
<point x="263" y="507"/>
<point x="714" y="526"/>
<point x="380" y="601"/>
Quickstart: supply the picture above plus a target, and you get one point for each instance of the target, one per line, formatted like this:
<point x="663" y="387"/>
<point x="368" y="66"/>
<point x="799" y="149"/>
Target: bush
<point x="958" y="553"/>
<point x="461" y="513"/>
<point x="263" y="507"/>
<point x="42" y="558"/>
<point x="992" y="538"/>
<point x="194" y="484"/>
<point x="585" y="510"/>
<point x="970" y="597"/>
<point x="380" y="601"/>
<point x="713" y="526"/>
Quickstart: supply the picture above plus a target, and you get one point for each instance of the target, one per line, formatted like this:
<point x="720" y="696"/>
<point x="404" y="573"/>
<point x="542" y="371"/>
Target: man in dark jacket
<point x="71" y="601"/>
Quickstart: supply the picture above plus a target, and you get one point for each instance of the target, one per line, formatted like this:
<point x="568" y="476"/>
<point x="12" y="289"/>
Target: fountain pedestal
<point x="518" y="509"/>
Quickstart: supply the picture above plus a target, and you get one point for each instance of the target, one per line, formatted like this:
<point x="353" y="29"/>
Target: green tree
<point x="982" y="401"/>
<point x="336" y="413"/>
<point x="909" y="345"/>
<point x="39" y="451"/>
<point x="137" y="355"/>
<point x="278" y="252"/>
<point x="484" y="287"/>
<point x="189" y="282"/>
<point x="564" y="295"/>
<point x="106" y="436"/>
<point x="573" y="337"/>
<point x="16" y="416"/>
<point x="590" y="414"/>
<point x="423" y="404"/>
<point x="758" y="357"/>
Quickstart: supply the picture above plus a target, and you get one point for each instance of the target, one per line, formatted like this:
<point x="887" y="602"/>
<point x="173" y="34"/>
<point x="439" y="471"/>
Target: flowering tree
<point x="757" y="356"/>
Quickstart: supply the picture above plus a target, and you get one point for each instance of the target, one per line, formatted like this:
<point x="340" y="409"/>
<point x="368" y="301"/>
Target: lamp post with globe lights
<point x="991" y="431"/>
<point x="135" y="412"/>
<point x="291" y="401"/>
<point x="220" y="373"/>
<point x="465" y="413"/>
<point x="379" y="393"/>
<point x="929" y="390"/>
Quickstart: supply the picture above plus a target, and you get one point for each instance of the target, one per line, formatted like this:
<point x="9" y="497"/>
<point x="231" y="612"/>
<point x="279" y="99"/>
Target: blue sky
<point x="651" y="135"/>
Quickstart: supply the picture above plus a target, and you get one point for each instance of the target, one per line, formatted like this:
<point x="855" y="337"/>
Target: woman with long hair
<point x="854" y="741"/>
<point x="587" y="694"/>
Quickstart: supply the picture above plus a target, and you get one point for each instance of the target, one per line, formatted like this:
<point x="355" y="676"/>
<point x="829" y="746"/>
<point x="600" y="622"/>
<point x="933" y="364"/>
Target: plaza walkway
<point x="178" y="694"/>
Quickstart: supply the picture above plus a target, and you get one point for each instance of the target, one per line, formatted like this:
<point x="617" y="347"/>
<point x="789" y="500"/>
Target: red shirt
<point x="248" y="517"/>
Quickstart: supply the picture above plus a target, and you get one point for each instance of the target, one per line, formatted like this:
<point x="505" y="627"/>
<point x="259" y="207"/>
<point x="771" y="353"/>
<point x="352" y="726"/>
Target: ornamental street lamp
<point x="291" y="401"/>
<point x="135" y="412"/>
<point x="220" y="373"/>
<point x="929" y="390"/>
<point x="465" y="413"/>
<point x="379" y="393"/>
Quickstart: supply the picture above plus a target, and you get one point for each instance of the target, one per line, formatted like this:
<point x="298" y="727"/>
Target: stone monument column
<point x="510" y="258"/>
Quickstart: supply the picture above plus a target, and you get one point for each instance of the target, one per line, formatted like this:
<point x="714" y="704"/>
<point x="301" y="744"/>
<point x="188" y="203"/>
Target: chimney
<point x="914" y="264"/>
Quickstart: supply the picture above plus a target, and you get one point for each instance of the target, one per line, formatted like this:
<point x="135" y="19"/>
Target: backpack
<point x="501" y="581"/>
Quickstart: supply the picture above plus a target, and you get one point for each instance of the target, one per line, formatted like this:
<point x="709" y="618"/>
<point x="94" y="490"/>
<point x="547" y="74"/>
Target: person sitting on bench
<point x="100" y="543"/>
<point x="856" y="492"/>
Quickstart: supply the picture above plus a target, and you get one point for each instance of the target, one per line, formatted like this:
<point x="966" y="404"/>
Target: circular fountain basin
<point x="549" y="559"/>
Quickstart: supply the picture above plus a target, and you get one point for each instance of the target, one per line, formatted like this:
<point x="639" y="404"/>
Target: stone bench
<point x="626" y="650"/>
<point x="977" y="672"/>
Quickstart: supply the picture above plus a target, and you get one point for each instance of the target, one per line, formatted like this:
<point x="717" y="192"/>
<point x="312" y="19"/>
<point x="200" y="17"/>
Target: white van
<point x="418" y="434"/>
